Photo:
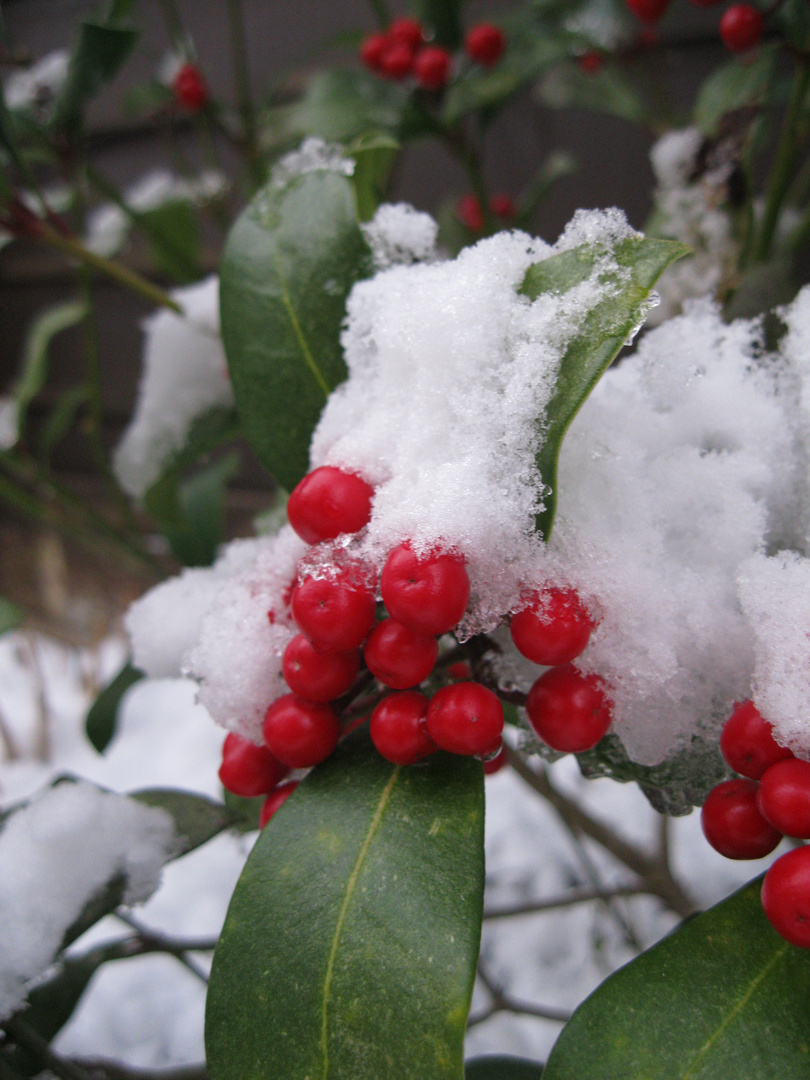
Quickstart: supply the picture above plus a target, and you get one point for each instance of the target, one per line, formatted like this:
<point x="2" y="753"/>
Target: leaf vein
<point x="299" y="333"/>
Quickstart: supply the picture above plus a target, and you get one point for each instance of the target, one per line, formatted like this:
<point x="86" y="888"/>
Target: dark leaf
<point x="197" y="819"/>
<point x="102" y="716"/>
<point x="503" y="1068"/>
<point x="99" y="55"/>
<point x="197" y="532"/>
<point x="36" y="353"/>
<point x="735" y="85"/>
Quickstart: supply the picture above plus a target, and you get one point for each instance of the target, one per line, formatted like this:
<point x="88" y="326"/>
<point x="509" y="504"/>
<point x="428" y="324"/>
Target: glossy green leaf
<point x="722" y="997"/>
<point x="350" y="946"/>
<point x="343" y="103"/>
<point x="197" y="819"/>
<point x="102" y="717"/>
<point x="632" y="269"/>
<point x="11" y="615"/>
<point x="34" y="371"/>
<point x="289" y="264"/>
<point x="735" y="85"/>
<point x="374" y="156"/>
<point x="503" y="1068"/>
<point x="100" y="52"/>
<point x="197" y="530"/>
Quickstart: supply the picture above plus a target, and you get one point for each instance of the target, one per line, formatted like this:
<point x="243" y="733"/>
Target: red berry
<point x="190" y="89"/>
<point x="398" y="728"/>
<point x="502" y="206"/>
<point x="247" y="769"/>
<point x="553" y="629"/>
<point x="495" y="764"/>
<point x="591" y="62"/>
<point x="460" y="671"/>
<point x="465" y="718"/>
<point x="783" y="797"/>
<point x="786" y="896"/>
<point x="428" y="593"/>
<point x="649" y="11"/>
<point x="408" y="32"/>
<point x="747" y="743"/>
<point x="274" y="801"/>
<point x="300" y="733"/>
<point x="485" y="44"/>
<point x="316" y="675"/>
<point x="733" y="825"/>
<point x="397" y="60"/>
<point x="329" y="502"/>
<point x="568" y="710"/>
<point x="372" y="49"/>
<point x="741" y="27"/>
<point x="469" y="213"/>
<point x="431" y="68"/>
<point x="399" y="656"/>
<point x="336" y="614"/>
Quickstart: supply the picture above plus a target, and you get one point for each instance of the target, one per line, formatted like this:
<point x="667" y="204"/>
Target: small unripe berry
<point x="741" y="27"/>
<point x="747" y="743"/>
<point x="316" y="675"/>
<point x="465" y="718"/>
<point x="553" y="629"/>
<point x="485" y="43"/>
<point x="300" y="733"/>
<point x="568" y="710"/>
<point x="247" y="769"/>
<point x="399" y="656"/>
<point x="428" y="593"/>
<point x="786" y="896"/>
<point x="336" y="614"/>
<point x="329" y="502"/>
<point x="732" y="823"/>
<point x="649" y="11"/>
<point x="783" y="797"/>
<point x="398" y="728"/>
<point x="431" y="68"/>
<point x="190" y="89"/>
<point x="274" y="800"/>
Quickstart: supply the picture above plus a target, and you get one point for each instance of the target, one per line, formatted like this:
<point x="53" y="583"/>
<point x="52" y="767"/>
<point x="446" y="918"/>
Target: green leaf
<point x="606" y="91"/>
<point x="197" y="531"/>
<point x="102" y="717"/>
<point x="52" y="1004"/>
<point x="723" y="996"/>
<point x="735" y="85"/>
<point x="342" y="103"/>
<point x="34" y="372"/>
<point x="61" y="419"/>
<point x="503" y="1068"/>
<point x="11" y="615"/>
<point x="244" y="812"/>
<point x="99" y="55"/>
<point x="374" y="156"/>
<point x="289" y="264"/>
<point x="174" y="233"/>
<point x="631" y="271"/>
<point x="350" y="946"/>
<point x="197" y="819"/>
<point x="444" y="18"/>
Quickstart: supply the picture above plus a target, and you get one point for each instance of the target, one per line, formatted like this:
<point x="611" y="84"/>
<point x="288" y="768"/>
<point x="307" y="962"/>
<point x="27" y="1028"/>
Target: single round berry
<point x="274" y="800"/>
<point x="485" y="43"/>
<point x="568" y="710"/>
<point x="502" y="205"/>
<point x="465" y="718"/>
<point x="460" y="671"/>
<point x="247" y="769"/>
<point x="329" y="502"/>
<point x="592" y="61"/>
<point x="741" y="27"/>
<point x="300" y="733"/>
<point x="190" y="89"/>
<point x="786" y="896"/>
<point x="432" y="66"/>
<point x="316" y="675"/>
<point x="553" y="629"/>
<point x="495" y="763"/>
<point x="783" y="797"/>
<point x="408" y="32"/>
<point x="747" y="743"/>
<point x="336" y="614"/>
<point x="469" y="213"/>
<point x="399" y="656"/>
<point x="649" y="11"/>
<point x="428" y="593"/>
<point x="398" y="728"/>
<point x="732" y="823"/>
<point x="397" y="60"/>
<point x="372" y="48"/>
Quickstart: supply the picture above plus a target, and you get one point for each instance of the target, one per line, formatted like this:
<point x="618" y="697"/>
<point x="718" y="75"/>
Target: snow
<point x="39" y="84"/>
<point x="399" y="234"/>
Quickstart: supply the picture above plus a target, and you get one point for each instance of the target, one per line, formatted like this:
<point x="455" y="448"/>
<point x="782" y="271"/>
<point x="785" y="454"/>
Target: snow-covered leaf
<point x="351" y="942"/>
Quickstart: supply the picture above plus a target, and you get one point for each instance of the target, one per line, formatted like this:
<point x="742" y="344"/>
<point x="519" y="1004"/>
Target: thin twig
<point x="576" y="896"/>
<point x="154" y="941"/>
<point x="503" y="1002"/>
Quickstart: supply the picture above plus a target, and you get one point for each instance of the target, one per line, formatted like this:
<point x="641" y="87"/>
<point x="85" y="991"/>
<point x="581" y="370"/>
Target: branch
<point x="576" y="896"/>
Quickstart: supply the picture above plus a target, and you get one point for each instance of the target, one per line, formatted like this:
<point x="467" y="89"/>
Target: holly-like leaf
<point x="723" y="996"/>
<point x="502" y="1068"/>
<point x="631" y="271"/>
<point x="289" y="264"/>
<point x="735" y="85"/>
<point x="374" y="156"/>
<point x="197" y="819"/>
<point x="102" y="717"/>
<point x="342" y="104"/>
<point x="100" y="53"/>
<point x="197" y="530"/>
<point x="350" y="946"/>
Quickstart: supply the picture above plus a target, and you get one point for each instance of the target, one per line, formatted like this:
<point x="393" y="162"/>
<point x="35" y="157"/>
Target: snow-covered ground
<point x="148" y="1011"/>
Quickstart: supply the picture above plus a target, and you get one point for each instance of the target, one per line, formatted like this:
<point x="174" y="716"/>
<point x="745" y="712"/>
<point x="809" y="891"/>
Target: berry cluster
<point x="741" y="26"/>
<point x="746" y="817"/>
<point x="249" y="770"/>
<point x="403" y="50"/>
